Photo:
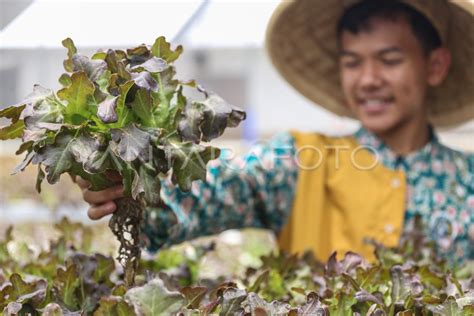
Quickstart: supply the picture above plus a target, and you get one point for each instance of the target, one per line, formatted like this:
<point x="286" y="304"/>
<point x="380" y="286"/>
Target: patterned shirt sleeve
<point x="255" y="190"/>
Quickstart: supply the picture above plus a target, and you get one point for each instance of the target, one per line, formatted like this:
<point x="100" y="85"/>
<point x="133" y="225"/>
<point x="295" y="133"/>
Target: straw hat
<point x="302" y="43"/>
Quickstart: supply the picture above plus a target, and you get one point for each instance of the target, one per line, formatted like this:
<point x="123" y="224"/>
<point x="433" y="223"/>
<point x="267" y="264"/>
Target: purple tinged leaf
<point x="190" y="126"/>
<point x="90" y="271"/>
<point x="138" y="55"/>
<point x="416" y="287"/>
<point x="42" y="107"/>
<point x="145" y="80"/>
<point x="38" y="95"/>
<point x="255" y="301"/>
<point x="24" y="163"/>
<point x="160" y="162"/>
<point x="37" y="297"/>
<point x="258" y="306"/>
<point x="106" y="110"/>
<point x="93" y="68"/>
<point x="116" y="65"/>
<point x="171" y="282"/>
<point x="33" y="135"/>
<point x="351" y="261"/>
<point x="131" y="142"/>
<point x="84" y="265"/>
<point x="83" y="147"/>
<point x="231" y="300"/>
<point x="152" y="65"/>
<point x="13" y="308"/>
<point x="99" y="161"/>
<point x="400" y="285"/>
<point x="333" y="267"/>
<point x="208" y="119"/>
<point x="322" y="284"/>
<point x="313" y="306"/>
<point x="279" y="308"/>
<point x="364" y="296"/>
<point x="49" y="126"/>
<point x="57" y="158"/>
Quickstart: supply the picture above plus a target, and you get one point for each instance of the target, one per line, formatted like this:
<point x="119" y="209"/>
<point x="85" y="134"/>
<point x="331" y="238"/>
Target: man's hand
<point x="101" y="202"/>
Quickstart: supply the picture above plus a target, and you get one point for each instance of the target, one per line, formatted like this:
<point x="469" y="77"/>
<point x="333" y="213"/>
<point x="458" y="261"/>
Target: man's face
<point x="384" y="75"/>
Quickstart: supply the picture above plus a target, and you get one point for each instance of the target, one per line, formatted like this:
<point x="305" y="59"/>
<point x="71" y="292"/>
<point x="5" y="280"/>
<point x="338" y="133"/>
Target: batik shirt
<point x="257" y="190"/>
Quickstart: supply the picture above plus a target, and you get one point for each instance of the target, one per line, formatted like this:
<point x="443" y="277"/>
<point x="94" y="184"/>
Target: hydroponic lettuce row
<point x="67" y="279"/>
<point x="122" y="111"/>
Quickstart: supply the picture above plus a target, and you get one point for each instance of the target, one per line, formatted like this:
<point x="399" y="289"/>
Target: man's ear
<point x="439" y="62"/>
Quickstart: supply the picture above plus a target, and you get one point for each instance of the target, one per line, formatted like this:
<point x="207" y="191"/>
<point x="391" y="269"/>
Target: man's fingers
<point x="104" y="196"/>
<point x="99" y="211"/>
<point x="102" y="202"/>
<point x="83" y="184"/>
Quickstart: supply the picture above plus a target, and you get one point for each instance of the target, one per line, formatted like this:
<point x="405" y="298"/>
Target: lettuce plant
<point x="121" y="111"/>
<point x="66" y="278"/>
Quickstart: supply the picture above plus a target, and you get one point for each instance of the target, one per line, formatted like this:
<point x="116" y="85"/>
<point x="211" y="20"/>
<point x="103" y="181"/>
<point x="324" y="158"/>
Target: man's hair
<point x="358" y="17"/>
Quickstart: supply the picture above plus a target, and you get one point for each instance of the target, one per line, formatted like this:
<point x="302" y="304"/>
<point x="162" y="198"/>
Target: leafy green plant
<point x="67" y="279"/>
<point x="121" y="111"/>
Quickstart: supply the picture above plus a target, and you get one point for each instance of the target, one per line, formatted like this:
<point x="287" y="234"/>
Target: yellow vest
<point x="343" y="195"/>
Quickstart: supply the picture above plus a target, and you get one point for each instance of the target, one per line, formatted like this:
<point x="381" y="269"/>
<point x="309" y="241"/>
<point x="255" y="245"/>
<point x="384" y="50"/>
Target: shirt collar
<point x="392" y="160"/>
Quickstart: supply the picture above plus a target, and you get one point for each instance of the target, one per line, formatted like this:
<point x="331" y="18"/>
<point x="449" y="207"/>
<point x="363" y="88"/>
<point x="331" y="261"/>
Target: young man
<point x="400" y="67"/>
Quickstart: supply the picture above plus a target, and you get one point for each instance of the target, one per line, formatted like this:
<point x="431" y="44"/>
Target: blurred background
<point x="223" y="51"/>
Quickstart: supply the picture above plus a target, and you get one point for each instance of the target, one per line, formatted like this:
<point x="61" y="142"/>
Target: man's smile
<point x="375" y="106"/>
